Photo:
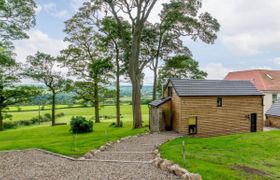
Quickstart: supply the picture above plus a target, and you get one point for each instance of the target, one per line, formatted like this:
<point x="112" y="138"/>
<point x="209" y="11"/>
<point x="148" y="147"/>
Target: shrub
<point x="167" y="115"/>
<point x="113" y="124"/>
<point x="25" y="122"/>
<point x="10" y="125"/>
<point x="79" y="124"/>
<point x="59" y="115"/>
<point x="35" y="120"/>
<point x="145" y="101"/>
<point x="47" y="117"/>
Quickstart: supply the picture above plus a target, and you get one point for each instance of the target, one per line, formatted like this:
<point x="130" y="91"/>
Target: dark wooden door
<point x="253" y="122"/>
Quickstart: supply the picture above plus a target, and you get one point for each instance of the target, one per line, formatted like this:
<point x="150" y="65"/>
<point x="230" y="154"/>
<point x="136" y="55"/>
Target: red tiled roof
<point x="266" y="80"/>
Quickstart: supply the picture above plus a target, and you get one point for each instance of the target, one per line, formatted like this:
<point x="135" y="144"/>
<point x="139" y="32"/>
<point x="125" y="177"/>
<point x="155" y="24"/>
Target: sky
<point x="249" y="37"/>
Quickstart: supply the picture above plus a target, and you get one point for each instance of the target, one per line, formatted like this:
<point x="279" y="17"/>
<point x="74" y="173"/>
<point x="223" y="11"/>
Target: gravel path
<point x="34" y="164"/>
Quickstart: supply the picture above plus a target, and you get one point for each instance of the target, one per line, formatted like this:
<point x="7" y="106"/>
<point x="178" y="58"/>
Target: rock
<point x="156" y="151"/>
<point x="172" y="168"/>
<point x="157" y="161"/>
<point x="180" y="171"/>
<point x="195" y="176"/>
<point x="88" y="156"/>
<point x="186" y="176"/>
<point x="102" y="148"/>
<point x="165" y="164"/>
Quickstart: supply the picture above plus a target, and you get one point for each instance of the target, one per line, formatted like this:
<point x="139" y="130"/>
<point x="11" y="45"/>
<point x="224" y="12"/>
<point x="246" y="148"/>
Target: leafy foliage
<point x="79" y="124"/>
<point x="42" y="67"/>
<point x="11" y="94"/>
<point x="16" y="16"/>
<point x="182" y="67"/>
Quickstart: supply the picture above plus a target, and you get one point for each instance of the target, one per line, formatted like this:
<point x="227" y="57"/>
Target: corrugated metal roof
<point x="274" y="109"/>
<point x="159" y="102"/>
<point x="186" y="87"/>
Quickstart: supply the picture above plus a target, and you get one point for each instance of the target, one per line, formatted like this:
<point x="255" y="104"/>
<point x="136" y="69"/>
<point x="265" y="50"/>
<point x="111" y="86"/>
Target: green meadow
<point x="59" y="139"/>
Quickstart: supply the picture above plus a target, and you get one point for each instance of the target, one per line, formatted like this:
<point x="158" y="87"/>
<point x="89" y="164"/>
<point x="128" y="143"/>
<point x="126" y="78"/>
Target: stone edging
<point x="92" y="153"/>
<point x="167" y="165"/>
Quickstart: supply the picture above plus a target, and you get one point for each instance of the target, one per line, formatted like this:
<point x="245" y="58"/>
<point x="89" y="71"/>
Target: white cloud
<point x="51" y="9"/>
<point x="276" y="60"/>
<point x="38" y="41"/>
<point x="247" y="27"/>
<point x="76" y="4"/>
<point x="38" y="9"/>
<point x="216" y="70"/>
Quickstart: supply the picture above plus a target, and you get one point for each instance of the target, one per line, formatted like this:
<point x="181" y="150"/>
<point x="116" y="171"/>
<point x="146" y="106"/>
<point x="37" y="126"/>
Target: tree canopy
<point x="43" y="67"/>
<point x="16" y="16"/>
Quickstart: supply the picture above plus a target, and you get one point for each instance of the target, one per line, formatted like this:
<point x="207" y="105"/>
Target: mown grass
<point x="59" y="139"/>
<point x="242" y="156"/>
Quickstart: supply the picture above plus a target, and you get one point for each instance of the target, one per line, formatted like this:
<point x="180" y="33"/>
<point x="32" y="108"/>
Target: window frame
<point x="219" y="101"/>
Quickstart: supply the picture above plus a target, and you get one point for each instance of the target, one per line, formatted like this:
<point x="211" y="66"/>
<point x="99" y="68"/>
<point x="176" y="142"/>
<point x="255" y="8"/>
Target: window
<point x="192" y="122"/>
<point x="169" y="91"/>
<point x="219" y="102"/>
<point x="274" y="98"/>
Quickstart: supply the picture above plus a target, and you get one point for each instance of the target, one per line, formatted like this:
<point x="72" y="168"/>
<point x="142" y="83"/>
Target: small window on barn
<point x="169" y="91"/>
<point x="219" y="101"/>
<point x="192" y="122"/>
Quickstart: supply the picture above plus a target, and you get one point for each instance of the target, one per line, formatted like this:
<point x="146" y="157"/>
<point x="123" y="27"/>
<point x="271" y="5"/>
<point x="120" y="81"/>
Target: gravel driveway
<point x="136" y="152"/>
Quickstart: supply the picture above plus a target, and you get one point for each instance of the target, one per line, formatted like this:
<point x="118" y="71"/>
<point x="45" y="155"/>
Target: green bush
<point x="47" y="117"/>
<point x="79" y="124"/>
<point x="114" y="124"/>
<point x="60" y="115"/>
<point x="10" y="125"/>
<point x="35" y="120"/>
<point x="25" y="122"/>
<point x="145" y="101"/>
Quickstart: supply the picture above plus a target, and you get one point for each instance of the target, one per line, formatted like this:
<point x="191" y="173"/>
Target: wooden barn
<point x="208" y="107"/>
<point x="273" y="115"/>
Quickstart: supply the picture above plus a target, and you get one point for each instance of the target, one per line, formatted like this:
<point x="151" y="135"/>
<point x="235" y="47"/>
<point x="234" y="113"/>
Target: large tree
<point x="43" y="68"/>
<point x="87" y="59"/>
<point x="16" y="16"/>
<point x="111" y="39"/>
<point x="177" y="19"/>
<point x="10" y="74"/>
<point x="180" y="67"/>
<point x="132" y="46"/>
<point x="137" y="12"/>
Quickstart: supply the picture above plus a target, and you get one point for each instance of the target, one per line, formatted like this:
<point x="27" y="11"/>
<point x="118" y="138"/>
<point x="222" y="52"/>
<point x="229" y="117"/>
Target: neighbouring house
<point x="208" y="107"/>
<point x="273" y="115"/>
<point x="266" y="81"/>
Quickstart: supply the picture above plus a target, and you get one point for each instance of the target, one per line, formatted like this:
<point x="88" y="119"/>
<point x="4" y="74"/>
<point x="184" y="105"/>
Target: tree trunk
<point x="96" y="102"/>
<point x="53" y="108"/>
<point x="1" y="120"/>
<point x="136" y="103"/>
<point x="155" y="84"/>
<point x="118" y="112"/>
<point x="156" y="67"/>
<point x="135" y="77"/>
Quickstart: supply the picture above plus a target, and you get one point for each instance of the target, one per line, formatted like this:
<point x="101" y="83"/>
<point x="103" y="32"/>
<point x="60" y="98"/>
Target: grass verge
<point x="242" y="156"/>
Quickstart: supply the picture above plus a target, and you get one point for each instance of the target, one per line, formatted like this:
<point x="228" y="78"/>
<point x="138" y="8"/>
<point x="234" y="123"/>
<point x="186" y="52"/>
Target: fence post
<point x="184" y="150"/>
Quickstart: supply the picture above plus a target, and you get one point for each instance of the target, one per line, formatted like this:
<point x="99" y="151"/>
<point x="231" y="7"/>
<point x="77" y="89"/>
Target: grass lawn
<point x="242" y="156"/>
<point x="58" y="139"/>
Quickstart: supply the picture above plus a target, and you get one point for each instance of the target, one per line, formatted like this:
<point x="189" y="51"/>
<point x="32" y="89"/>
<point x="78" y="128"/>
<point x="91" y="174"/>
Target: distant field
<point x="88" y="112"/>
